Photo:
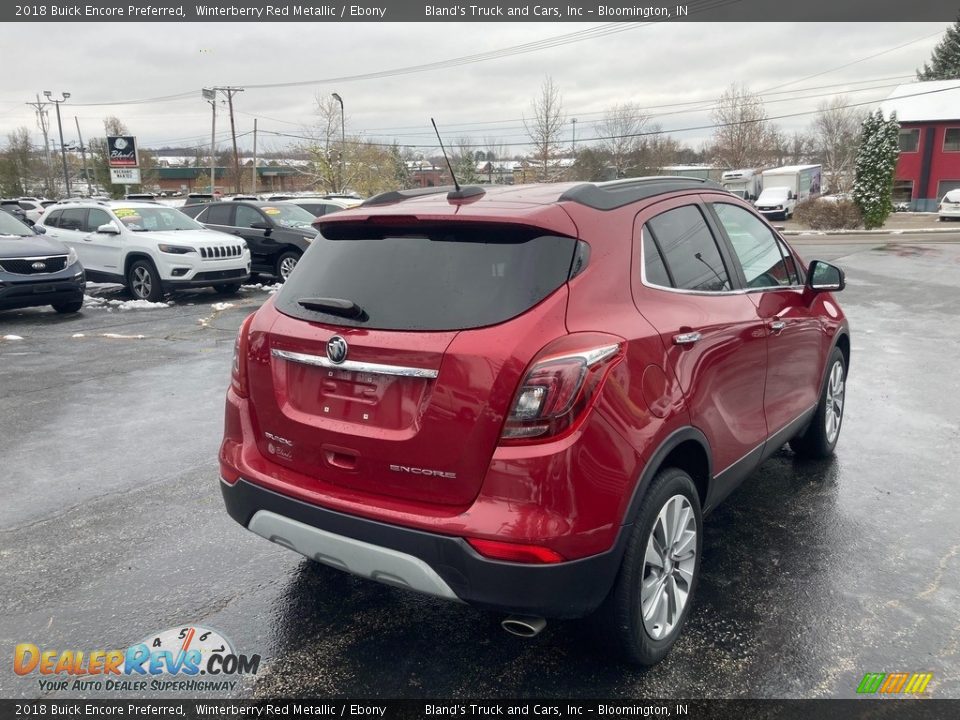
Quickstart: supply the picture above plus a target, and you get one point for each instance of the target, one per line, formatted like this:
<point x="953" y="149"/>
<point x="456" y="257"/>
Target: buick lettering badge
<point x="337" y="349"/>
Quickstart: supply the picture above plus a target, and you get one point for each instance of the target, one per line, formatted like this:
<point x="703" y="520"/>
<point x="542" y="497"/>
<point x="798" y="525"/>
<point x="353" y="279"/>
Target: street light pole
<point x="211" y="97"/>
<point x="63" y="150"/>
<point x="343" y="141"/>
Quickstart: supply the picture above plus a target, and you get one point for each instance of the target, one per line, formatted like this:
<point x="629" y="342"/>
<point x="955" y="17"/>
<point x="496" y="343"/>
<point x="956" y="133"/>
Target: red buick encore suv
<point x="526" y="398"/>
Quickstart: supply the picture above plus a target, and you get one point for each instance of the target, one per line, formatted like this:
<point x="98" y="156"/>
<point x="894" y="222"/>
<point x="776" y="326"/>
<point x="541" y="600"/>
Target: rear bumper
<point x="439" y="565"/>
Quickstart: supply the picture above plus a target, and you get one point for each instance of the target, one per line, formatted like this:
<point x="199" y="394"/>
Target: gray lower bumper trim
<point x="354" y="556"/>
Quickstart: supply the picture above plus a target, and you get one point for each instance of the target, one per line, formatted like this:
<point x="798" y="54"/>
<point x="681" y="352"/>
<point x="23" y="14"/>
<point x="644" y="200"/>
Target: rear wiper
<point x="334" y="306"/>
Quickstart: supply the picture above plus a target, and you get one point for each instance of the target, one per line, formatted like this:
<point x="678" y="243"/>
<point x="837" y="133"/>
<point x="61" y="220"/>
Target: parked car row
<point x="151" y="248"/>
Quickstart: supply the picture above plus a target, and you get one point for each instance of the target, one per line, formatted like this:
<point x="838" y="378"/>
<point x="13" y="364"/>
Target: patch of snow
<point x="94" y="302"/>
<point x="78" y="335"/>
<point x="12" y="337"/>
<point x="116" y="336"/>
<point x="220" y="307"/>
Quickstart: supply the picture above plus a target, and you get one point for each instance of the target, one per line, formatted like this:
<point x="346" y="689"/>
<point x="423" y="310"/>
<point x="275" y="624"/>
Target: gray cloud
<point x="650" y="65"/>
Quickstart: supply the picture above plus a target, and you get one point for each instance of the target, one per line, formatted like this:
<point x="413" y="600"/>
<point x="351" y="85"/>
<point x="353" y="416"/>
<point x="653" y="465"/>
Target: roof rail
<point x="618" y="193"/>
<point x="71" y="201"/>
<point x="394" y="196"/>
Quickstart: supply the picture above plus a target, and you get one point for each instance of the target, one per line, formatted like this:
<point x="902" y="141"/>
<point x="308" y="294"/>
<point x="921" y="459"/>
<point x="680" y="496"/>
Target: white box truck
<point x="745" y="184"/>
<point x="784" y="187"/>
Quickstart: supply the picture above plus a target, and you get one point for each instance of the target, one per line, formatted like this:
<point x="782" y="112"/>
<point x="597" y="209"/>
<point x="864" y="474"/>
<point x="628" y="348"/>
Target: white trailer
<point x="784" y="187"/>
<point x="745" y="184"/>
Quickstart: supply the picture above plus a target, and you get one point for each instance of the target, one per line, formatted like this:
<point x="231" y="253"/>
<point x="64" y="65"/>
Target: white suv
<point x="149" y="247"/>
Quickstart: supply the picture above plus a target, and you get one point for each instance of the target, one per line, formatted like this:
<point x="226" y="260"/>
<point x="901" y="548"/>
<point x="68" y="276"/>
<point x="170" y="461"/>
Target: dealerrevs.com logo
<point x="184" y="659"/>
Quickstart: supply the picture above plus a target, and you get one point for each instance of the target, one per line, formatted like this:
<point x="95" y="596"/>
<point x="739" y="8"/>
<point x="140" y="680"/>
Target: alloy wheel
<point x="668" y="567"/>
<point x="286" y="266"/>
<point x="834" y="410"/>
<point x="142" y="282"/>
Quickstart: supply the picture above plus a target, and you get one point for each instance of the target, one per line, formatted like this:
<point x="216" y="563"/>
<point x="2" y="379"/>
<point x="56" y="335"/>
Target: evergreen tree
<point x="945" y="61"/>
<point x="876" y="163"/>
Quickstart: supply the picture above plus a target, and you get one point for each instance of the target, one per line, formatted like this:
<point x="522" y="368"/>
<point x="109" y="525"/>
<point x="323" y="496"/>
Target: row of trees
<point x="26" y="169"/>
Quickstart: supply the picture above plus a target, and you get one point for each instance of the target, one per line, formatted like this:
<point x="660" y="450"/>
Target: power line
<point x="648" y="133"/>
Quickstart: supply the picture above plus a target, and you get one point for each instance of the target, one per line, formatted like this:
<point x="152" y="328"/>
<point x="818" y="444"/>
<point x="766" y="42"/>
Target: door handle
<point x="777" y="326"/>
<point x="688" y="338"/>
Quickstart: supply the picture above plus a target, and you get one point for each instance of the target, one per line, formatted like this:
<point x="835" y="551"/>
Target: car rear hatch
<point x="397" y="351"/>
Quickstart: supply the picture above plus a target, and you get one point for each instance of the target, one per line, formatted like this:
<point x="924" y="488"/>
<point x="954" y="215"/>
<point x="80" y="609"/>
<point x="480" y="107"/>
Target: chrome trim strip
<point x="38" y="257"/>
<point x="590" y="357"/>
<point x="354" y="366"/>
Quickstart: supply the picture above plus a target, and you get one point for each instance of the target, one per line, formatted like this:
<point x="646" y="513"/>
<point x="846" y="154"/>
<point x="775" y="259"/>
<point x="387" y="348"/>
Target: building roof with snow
<point x="924" y="101"/>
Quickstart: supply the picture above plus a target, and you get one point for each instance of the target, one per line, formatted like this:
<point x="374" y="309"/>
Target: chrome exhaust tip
<point x="525" y="627"/>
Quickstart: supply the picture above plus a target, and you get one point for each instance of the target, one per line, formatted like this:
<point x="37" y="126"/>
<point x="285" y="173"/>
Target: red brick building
<point x="929" y="164"/>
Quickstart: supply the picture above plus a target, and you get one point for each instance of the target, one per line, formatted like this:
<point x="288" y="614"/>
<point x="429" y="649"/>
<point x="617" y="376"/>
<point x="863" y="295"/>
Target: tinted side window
<point x="755" y="247"/>
<point x="96" y="218"/>
<point x="247" y="216"/>
<point x="53" y="219"/>
<point x="218" y="214"/>
<point x="690" y="250"/>
<point x="193" y="211"/>
<point x="653" y="267"/>
<point x="73" y="219"/>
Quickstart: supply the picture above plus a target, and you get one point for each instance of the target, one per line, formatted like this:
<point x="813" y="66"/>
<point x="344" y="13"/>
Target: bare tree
<point x="619" y="136"/>
<point x="836" y="138"/>
<point x="324" y="146"/>
<point x="742" y="136"/>
<point x="545" y="127"/>
<point x="662" y="150"/>
<point x="497" y="154"/>
<point x="18" y="169"/>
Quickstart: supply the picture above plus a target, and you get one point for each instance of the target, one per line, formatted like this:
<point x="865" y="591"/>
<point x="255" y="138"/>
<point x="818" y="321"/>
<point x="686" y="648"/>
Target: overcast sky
<point x="652" y="65"/>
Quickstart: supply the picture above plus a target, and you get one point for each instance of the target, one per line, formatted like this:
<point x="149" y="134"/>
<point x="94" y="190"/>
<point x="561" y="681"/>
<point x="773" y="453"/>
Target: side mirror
<point x="824" y="277"/>
<point x="261" y="226"/>
<point x="39" y="229"/>
<point x="108" y="229"/>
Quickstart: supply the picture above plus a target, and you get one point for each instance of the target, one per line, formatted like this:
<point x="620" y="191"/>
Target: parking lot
<point x="112" y="525"/>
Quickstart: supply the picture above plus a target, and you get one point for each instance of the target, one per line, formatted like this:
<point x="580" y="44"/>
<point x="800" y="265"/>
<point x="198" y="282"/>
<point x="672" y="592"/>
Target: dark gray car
<point x="35" y="270"/>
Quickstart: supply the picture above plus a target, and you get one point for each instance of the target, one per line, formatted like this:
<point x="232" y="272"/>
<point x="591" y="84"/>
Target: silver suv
<point x="149" y="247"/>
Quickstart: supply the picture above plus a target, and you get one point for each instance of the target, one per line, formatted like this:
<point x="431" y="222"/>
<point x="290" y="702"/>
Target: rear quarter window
<point x="443" y="277"/>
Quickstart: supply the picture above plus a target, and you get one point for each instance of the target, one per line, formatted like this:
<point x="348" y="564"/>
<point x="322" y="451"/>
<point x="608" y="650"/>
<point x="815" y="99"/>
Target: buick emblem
<point x="39" y="266"/>
<point x="337" y="349"/>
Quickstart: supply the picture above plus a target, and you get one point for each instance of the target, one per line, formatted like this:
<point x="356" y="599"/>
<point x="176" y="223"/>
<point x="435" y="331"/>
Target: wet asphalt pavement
<point x="112" y="526"/>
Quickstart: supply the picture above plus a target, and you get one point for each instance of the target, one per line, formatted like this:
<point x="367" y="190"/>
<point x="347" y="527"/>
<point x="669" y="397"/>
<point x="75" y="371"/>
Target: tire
<point x="285" y="264"/>
<point x="70" y="307"/>
<point x="227" y="288"/>
<point x="646" y="641"/>
<point x="820" y="438"/>
<point x="143" y="281"/>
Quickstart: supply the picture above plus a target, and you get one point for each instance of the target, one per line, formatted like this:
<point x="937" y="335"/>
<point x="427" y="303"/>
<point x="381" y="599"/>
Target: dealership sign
<point x="123" y="151"/>
<point x="125" y="176"/>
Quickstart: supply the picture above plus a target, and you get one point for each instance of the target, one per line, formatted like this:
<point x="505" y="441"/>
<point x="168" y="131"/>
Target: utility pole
<point x="343" y="142"/>
<point x="63" y="150"/>
<point x="40" y="107"/>
<point x="83" y="154"/>
<point x="230" y="92"/>
<point x="253" y="186"/>
<point x="210" y="95"/>
<point x="574" y="121"/>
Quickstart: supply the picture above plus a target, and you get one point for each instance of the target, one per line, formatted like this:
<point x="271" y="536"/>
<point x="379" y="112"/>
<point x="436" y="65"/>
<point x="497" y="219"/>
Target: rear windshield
<point x="445" y="277"/>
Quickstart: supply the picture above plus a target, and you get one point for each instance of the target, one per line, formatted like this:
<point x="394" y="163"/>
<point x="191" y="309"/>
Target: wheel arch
<point x="132" y="257"/>
<point x="686" y="448"/>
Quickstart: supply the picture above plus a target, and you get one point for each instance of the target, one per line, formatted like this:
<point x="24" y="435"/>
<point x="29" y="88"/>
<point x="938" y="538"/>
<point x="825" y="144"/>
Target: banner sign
<point x="123" y="151"/>
<point x="125" y="176"/>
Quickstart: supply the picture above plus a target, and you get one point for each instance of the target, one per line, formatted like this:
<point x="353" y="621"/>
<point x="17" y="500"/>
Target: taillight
<point x="558" y="390"/>
<point x="515" y="552"/>
<point x="238" y="375"/>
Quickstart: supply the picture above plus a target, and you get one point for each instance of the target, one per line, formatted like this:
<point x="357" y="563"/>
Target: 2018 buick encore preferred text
<point x="526" y="398"/>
